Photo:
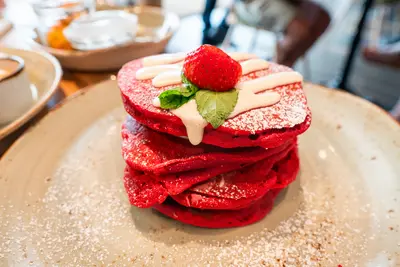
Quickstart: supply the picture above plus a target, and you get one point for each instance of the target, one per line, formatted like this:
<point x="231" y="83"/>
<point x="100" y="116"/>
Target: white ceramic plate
<point x="63" y="204"/>
<point x="45" y="73"/>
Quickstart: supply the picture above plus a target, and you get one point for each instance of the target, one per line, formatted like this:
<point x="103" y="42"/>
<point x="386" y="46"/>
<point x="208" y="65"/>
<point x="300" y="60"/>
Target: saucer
<point x="44" y="73"/>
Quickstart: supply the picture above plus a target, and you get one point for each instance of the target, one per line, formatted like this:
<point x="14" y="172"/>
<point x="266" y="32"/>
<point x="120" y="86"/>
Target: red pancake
<point x="176" y="184"/>
<point x="219" y="218"/>
<point x="157" y="153"/>
<point x="264" y="127"/>
<point x="192" y="199"/>
<point x="241" y="188"/>
<point x="139" y="185"/>
<point x="142" y="192"/>
<point x="287" y="172"/>
<point x="145" y="190"/>
<point x="245" y="182"/>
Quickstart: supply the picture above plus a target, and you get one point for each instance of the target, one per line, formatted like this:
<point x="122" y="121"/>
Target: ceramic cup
<point x="15" y="90"/>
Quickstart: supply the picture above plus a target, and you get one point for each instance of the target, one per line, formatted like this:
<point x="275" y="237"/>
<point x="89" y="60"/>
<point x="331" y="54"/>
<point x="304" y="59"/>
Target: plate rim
<point x="6" y="156"/>
<point x="361" y="100"/>
<point x="42" y="101"/>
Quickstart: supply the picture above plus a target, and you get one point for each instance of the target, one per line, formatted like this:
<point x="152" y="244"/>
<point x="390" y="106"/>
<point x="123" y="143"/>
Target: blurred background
<point x="350" y="44"/>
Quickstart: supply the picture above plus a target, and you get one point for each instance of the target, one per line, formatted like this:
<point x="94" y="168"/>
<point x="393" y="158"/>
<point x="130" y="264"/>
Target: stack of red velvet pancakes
<point x="212" y="137"/>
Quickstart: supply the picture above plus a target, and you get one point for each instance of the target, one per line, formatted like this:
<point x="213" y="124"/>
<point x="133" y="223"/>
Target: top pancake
<point x="267" y="127"/>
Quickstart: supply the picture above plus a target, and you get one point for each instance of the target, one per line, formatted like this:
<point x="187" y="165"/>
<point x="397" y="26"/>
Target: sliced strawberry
<point x="208" y="67"/>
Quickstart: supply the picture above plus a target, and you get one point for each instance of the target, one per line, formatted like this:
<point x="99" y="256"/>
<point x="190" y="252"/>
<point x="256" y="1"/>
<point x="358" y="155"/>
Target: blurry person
<point x="391" y="58"/>
<point x="384" y="38"/>
<point x="302" y="22"/>
<point x="148" y="2"/>
<point x="384" y="43"/>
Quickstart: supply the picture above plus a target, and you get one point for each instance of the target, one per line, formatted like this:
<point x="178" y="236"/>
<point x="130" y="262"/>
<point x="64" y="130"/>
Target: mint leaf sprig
<point x="176" y="97"/>
<point x="214" y="107"/>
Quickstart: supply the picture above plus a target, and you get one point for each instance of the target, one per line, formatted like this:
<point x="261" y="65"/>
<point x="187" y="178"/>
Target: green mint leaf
<point x="173" y="98"/>
<point x="187" y="91"/>
<point x="186" y="81"/>
<point x="176" y="97"/>
<point x="215" y="107"/>
<point x="189" y="88"/>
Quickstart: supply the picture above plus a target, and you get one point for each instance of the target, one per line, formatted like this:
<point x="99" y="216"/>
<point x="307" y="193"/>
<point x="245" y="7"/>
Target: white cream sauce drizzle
<point x="192" y="120"/>
<point x="163" y="59"/>
<point x="252" y="65"/>
<point x="250" y="96"/>
<point x="270" y="81"/>
<point x="167" y="78"/>
<point x="240" y="56"/>
<point x="151" y="72"/>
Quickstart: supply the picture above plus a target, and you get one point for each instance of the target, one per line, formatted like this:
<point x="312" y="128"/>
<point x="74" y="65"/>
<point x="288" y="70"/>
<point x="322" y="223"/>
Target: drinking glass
<point x="114" y="4"/>
<point x="111" y="4"/>
<point x="55" y="15"/>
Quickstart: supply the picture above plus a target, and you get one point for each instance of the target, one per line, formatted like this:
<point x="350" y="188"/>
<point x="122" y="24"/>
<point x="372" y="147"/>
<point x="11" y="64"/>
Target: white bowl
<point x="155" y="29"/>
<point x="101" y="30"/>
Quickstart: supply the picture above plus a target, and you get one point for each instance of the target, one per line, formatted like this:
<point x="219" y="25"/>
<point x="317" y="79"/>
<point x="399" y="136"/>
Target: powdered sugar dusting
<point x="94" y="225"/>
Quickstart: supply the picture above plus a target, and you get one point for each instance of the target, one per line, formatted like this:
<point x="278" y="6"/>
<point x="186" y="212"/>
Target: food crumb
<point x="338" y="127"/>
<point x="391" y="211"/>
<point x="373" y="158"/>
